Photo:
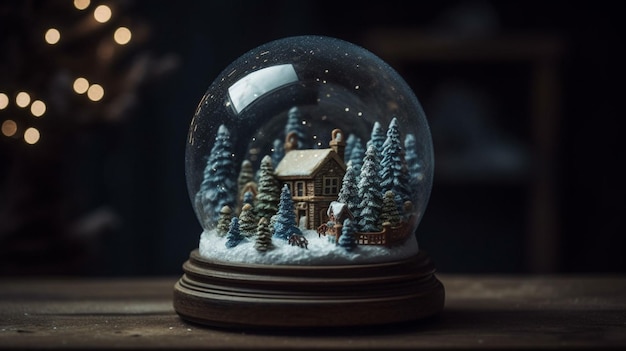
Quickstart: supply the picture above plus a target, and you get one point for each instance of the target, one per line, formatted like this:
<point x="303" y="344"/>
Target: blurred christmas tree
<point x="72" y="75"/>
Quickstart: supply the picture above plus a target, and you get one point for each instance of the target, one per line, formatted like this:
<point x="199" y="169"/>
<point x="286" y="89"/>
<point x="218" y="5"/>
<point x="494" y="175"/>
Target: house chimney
<point x="338" y="143"/>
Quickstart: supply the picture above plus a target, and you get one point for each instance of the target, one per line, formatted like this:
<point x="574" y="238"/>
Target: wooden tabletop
<point x="481" y="311"/>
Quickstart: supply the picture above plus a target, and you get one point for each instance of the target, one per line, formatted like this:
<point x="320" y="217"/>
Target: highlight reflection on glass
<point x="258" y="83"/>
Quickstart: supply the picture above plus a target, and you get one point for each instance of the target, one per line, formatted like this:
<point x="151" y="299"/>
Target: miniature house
<point x="337" y="213"/>
<point x="314" y="177"/>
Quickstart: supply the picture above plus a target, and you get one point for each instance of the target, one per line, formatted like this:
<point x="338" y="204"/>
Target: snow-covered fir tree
<point x="285" y="224"/>
<point x="370" y="193"/>
<point x="278" y="151"/>
<point x="294" y="124"/>
<point x="390" y="211"/>
<point x="349" y="146"/>
<point x="218" y="187"/>
<point x="412" y="160"/>
<point x="356" y="156"/>
<point x="223" y="222"/>
<point x="263" y="240"/>
<point x="394" y="172"/>
<point x="377" y="138"/>
<point x="347" y="240"/>
<point x="273" y="223"/>
<point x="233" y="237"/>
<point x="244" y="181"/>
<point x="349" y="192"/>
<point x="248" y="198"/>
<point x="247" y="221"/>
<point x="268" y="197"/>
<point x="246" y="174"/>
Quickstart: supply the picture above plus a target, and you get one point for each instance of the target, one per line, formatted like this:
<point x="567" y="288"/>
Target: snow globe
<point x="309" y="165"/>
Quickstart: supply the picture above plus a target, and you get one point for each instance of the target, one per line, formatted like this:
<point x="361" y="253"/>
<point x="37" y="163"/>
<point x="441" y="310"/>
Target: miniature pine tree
<point x="356" y="156"/>
<point x="246" y="174"/>
<point x="268" y="196"/>
<point x="285" y="224"/>
<point x="248" y="198"/>
<point x="349" y="146"/>
<point x="412" y="160"/>
<point x="247" y="221"/>
<point x="349" y="192"/>
<point x="370" y="193"/>
<point x="233" y="237"/>
<point x="294" y="124"/>
<point x="377" y="138"/>
<point x="390" y="211"/>
<point x="394" y="172"/>
<point x="218" y="188"/>
<point x="263" y="241"/>
<point x="347" y="240"/>
<point x="223" y="223"/>
<point x="278" y="152"/>
<point x="273" y="223"/>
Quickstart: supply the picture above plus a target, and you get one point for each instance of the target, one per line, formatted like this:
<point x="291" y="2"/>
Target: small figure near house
<point x="298" y="240"/>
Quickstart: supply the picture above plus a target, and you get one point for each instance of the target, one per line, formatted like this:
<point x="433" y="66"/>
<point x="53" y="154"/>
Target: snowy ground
<point x="320" y="251"/>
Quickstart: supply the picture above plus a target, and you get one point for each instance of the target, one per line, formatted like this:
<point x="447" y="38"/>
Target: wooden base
<point x="288" y="296"/>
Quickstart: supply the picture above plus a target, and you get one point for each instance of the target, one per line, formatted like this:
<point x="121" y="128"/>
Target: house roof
<point x="304" y="163"/>
<point x="339" y="209"/>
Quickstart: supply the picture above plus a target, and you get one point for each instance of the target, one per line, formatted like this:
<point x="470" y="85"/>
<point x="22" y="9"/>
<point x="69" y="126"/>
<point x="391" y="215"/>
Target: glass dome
<point x="309" y="150"/>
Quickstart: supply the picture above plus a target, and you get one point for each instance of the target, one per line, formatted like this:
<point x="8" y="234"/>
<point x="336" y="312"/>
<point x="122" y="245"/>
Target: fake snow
<point x="320" y="251"/>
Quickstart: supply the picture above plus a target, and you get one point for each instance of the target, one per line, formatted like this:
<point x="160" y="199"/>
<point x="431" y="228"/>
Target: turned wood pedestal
<point x="288" y="296"/>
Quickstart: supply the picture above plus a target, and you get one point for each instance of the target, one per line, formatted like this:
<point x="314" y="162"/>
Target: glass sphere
<point x="309" y="150"/>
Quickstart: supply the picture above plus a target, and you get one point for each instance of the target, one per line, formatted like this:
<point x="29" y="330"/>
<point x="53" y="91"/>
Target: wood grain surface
<point x="562" y="312"/>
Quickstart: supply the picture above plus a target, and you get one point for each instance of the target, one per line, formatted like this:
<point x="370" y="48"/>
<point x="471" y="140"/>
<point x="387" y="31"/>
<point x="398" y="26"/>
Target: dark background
<point x="524" y="99"/>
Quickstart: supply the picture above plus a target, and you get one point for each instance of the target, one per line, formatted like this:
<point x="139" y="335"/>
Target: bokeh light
<point x="31" y="135"/>
<point x="122" y="35"/>
<point x="81" y="85"/>
<point x="4" y="101"/>
<point x="22" y="99"/>
<point x="102" y="13"/>
<point x="9" y="127"/>
<point x="95" y="92"/>
<point x="52" y="36"/>
<point x="38" y="108"/>
<point x="81" y="4"/>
